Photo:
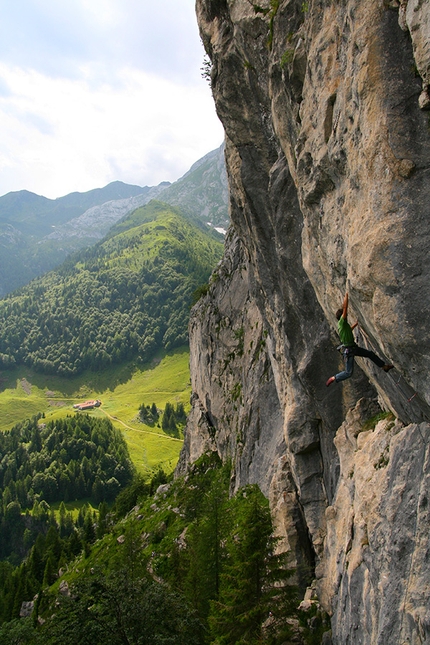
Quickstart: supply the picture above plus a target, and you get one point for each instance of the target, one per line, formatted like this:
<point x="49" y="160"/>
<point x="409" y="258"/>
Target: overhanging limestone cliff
<point x="328" y="158"/>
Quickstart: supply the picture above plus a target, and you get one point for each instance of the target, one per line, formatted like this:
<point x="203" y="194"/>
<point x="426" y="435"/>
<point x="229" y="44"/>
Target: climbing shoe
<point x="387" y="368"/>
<point x="330" y="380"/>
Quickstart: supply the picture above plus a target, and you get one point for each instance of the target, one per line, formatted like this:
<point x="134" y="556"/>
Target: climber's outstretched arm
<point x="345" y="307"/>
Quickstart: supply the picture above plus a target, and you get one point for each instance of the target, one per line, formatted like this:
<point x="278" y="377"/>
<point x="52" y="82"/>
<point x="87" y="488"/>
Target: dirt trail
<point x="157" y="434"/>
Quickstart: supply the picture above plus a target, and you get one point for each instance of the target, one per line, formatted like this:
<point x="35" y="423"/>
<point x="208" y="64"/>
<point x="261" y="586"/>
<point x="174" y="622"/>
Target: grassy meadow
<point x="23" y="393"/>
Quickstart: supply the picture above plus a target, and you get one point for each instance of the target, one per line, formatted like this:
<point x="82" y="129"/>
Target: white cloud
<point x="115" y="93"/>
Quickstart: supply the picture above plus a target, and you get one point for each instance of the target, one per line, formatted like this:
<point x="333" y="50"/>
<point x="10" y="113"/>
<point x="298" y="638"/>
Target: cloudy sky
<point x="93" y="91"/>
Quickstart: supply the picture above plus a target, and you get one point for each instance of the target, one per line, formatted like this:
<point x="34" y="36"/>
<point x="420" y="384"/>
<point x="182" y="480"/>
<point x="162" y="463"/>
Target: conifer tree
<point x="36" y="562"/>
<point x="89" y="533"/>
<point x="180" y="413"/>
<point x="204" y="547"/>
<point x="251" y="577"/>
<point x="50" y="572"/>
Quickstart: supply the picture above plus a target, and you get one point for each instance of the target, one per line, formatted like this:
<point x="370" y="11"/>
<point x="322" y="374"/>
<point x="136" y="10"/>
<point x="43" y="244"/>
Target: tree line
<point x="194" y="565"/>
<point x="52" y="541"/>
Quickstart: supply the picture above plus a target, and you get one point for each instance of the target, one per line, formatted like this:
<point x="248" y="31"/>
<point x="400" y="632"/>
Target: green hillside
<point x="26" y="218"/>
<point x="122" y="390"/>
<point x="125" y="298"/>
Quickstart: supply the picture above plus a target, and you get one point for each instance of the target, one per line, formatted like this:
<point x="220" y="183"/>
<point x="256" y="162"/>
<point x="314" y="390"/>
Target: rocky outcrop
<point x="328" y="159"/>
<point x="375" y="578"/>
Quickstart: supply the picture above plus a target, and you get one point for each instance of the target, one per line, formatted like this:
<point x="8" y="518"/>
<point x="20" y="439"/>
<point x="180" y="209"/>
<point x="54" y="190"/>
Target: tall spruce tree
<point x="204" y="546"/>
<point x="252" y="578"/>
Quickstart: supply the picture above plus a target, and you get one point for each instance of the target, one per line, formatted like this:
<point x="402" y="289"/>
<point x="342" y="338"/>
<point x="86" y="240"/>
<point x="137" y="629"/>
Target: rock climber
<point x="350" y="349"/>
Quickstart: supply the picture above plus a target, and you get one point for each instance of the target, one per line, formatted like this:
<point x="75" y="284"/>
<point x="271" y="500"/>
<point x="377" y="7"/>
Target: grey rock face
<point x="241" y="415"/>
<point x="26" y="609"/>
<point x="414" y="16"/>
<point x="375" y="579"/>
<point x="327" y="152"/>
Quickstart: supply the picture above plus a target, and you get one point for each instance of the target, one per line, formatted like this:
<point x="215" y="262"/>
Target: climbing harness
<point x="345" y="350"/>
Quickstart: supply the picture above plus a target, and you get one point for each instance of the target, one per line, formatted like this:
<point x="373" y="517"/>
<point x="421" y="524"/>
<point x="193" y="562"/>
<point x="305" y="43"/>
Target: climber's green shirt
<point x="345" y="332"/>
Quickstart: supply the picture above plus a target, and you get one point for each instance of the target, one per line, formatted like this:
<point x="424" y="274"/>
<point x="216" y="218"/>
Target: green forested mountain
<point x="27" y="222"/>
<point x="124" y="298"/>
<point x="37" y="234"/>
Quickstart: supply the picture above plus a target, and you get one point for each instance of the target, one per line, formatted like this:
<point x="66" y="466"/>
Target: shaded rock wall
<point x="327" y="151"/>
<point x="376" y="573"/>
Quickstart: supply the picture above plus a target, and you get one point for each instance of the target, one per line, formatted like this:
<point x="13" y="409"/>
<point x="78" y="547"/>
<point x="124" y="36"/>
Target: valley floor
<point x="121" y="390"/>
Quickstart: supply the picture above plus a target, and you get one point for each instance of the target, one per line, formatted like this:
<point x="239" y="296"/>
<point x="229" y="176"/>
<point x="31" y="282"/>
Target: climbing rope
<point x="404" y="394"/>
<point x="397" y="383"/>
